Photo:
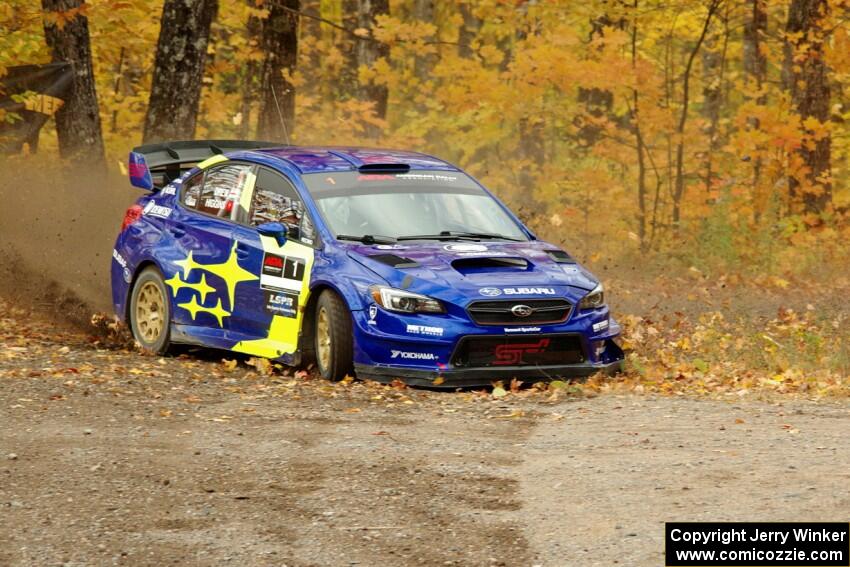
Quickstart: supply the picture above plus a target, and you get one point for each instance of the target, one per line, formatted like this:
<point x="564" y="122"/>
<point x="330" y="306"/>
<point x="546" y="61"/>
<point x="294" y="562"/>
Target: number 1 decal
<point x="282" y="272"/>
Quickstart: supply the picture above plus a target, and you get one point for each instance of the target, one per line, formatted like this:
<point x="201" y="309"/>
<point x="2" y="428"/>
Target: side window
<point x="276" y="200"/>
<point x="192" y="190"/>
<point x="222" y="188"/>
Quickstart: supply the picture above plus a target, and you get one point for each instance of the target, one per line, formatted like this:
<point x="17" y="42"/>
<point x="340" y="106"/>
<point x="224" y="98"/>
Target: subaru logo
<point x="521" y="310"/>
<point x="490" y="291"/>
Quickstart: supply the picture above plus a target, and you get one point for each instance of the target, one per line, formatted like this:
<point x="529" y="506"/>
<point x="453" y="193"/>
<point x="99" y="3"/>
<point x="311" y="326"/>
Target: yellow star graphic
<point x="194" y="308"/>
<point x="203" y="288"/>
<point x="176" y="284"/>
<point x="230" y="271"/>
<point x="188" y="264"/>
<point x="219" y="313"/>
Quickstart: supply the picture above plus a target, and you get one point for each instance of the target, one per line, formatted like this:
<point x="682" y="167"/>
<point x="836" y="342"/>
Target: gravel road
<point x="108" y="457"/>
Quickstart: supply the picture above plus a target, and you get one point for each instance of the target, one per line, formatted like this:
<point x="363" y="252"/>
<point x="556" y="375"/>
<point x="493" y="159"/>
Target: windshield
<point x="439" y="204"/>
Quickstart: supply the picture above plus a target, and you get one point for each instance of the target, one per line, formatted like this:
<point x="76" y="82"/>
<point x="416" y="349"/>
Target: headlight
<point x="594" y="299"/>
<point x="393" y="299"/>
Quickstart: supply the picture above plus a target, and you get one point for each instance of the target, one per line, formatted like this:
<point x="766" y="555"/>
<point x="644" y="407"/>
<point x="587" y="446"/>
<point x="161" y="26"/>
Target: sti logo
<point x="511" y="354"/>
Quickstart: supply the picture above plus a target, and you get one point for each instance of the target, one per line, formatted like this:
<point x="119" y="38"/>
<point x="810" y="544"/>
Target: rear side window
<point x="192" y="190"/>
<point x="222" y="189"/>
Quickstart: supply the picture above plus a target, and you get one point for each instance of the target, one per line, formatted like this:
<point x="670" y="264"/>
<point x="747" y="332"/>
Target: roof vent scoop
<point x="384" y="168"/>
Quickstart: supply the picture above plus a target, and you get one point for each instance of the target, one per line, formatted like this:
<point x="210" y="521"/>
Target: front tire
<point x="150" y="312"/>
<point x="333" y="342"/>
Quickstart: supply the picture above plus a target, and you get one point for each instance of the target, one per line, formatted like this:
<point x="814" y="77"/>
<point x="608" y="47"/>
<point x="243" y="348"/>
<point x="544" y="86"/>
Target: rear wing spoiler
<point x="154" y="166"/>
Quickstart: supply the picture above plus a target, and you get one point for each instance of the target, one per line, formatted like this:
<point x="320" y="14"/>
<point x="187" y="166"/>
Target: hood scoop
<point x="489" y="265"/>
<point x="395" y="261"/>
<point x="560" y="256"/>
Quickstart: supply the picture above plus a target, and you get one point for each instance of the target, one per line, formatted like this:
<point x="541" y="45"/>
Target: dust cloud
<point x="57" y="228"/>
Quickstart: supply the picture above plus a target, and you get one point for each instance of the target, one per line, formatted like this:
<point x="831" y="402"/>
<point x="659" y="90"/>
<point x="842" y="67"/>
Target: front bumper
<point x="478" y="377"/>
<point x="390" y="346"/>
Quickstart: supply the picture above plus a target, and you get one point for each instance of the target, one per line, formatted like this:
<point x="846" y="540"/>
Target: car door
<point x="208" y="270"/>
<point x="271" y="310"/>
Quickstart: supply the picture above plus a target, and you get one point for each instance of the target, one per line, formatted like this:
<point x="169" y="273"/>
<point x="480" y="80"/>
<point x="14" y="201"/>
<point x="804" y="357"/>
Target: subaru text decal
<point x="495" y="292"/>
<point x="528" y="291"/>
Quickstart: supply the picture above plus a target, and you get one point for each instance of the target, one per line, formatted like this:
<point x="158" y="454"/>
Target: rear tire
<point x="150" y="311"/>
<point x="333" y="341"/>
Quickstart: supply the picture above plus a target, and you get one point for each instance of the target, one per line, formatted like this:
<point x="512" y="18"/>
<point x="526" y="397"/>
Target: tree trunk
<point x="78" y="121"/>
<point x="755" y="67"/>
<point x="362" y="14"/>
<point x="181" y="54"/>
<point x="253" y="30"/>
<point x="714" y="68"/>
<point x="598" y="103"/>
<point x="423" y="11"/>
<point x="755" y="61"/>
<point x="679" y="189"/>
<point x="469" y="28"/>
<point x="280" y="45"/>
<point x="810" y="93"/>
<point x="639" y="145"/>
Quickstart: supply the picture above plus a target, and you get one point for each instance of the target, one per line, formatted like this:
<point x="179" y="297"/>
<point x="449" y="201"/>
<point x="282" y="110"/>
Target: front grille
<point x="499" y="312"/>
<point x="528" y="350"/>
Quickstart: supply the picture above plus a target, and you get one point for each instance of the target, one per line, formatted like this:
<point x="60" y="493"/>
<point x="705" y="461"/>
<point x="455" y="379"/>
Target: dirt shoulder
<point x="109" y="457"/>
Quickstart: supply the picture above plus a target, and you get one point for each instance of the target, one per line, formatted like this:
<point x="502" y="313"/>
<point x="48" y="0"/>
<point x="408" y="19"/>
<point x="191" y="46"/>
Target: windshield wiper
<point x="367" y="238"/>
<point x="458" y="235"/>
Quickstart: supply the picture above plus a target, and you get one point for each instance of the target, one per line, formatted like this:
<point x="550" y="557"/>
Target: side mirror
<point x="274" y="229"/>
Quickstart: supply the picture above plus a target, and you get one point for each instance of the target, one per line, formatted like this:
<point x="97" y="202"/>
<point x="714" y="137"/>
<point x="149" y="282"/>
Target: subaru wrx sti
<point x="384" y="264"/>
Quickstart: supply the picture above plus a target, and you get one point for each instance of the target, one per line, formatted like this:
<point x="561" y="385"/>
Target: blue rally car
<point x="387" y="264"/>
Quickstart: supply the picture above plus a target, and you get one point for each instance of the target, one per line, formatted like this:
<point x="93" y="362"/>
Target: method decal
<point x="425" y="330"/>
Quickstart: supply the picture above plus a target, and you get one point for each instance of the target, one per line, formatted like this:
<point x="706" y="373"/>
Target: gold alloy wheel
<point x="150" y="312"/>
<point x="323" y="339"/>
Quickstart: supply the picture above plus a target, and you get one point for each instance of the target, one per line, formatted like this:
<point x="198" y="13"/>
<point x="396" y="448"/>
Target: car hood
<point x="457" y="270"/>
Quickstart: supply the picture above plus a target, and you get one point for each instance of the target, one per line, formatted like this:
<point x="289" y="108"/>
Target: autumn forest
<point x="659" y="113"/>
